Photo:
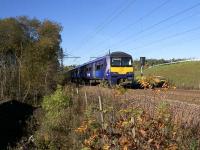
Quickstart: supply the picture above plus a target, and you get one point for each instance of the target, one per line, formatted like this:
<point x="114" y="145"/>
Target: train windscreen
<point x="121" y="62"/>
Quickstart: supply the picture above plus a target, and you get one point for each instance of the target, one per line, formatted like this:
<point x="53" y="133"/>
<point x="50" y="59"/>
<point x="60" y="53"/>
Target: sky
<point x="150" y="28"/>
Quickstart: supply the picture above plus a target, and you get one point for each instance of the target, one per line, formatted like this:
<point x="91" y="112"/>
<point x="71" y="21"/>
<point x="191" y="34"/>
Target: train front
<point x="121" y="68"/>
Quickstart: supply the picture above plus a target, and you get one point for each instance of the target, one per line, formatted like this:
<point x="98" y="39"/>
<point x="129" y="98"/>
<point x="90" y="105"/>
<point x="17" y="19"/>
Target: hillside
<point x="183" y="75"/>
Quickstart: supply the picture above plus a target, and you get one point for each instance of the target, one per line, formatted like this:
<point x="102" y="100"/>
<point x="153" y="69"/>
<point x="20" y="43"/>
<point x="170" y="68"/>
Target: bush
<point x="54" y="123"/>
<point x="56" y="101"/>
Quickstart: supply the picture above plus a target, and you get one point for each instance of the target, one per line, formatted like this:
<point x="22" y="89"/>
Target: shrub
<point x="54" y="124"/>
<point x="56" y="101"/>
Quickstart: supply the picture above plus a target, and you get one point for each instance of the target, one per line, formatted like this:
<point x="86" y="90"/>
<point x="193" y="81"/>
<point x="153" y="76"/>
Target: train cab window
<point x="116" y="62"/>
<point x="126" y="62"/>
<point x="121" y="62"/>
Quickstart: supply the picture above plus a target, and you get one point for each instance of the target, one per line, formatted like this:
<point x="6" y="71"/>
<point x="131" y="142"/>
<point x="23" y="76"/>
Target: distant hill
<point x="184" y="75"/>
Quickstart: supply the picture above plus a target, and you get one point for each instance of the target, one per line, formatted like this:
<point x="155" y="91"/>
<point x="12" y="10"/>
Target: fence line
<point x="176" y="62"/>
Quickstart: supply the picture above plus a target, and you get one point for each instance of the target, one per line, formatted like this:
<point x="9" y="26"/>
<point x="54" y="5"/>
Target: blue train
<point x="114" y="68"/>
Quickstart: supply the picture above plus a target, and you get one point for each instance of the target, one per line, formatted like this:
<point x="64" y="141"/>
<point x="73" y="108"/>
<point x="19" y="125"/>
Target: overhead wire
<point x="116" y="13"/>
<point x="169" y="37"/>
<point x="158" y="23"/>
<point x="171" y="45"/>
<point x="138" y="20"/>
<point x="161" y="29"/>
<point x="174" y="44"/>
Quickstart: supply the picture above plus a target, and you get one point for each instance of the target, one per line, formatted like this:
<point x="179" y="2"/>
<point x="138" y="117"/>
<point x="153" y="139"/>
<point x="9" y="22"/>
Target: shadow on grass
<point x="13" y="116"/>
<point x="134" y="85"/>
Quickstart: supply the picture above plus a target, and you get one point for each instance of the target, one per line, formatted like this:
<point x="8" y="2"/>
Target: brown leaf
<point x="125" y="147"/>
<point x="157" y="146"/>
<point x="143" y="132"/>
<point x="172" y="147"/>
<point x="123" y="140"/>
<point x="150" y="141"/>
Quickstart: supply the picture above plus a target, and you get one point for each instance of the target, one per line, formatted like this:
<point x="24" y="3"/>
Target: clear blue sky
<point x="92" y="27"/>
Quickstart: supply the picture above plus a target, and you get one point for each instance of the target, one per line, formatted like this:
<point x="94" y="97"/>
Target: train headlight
<point x="114" y="72"/>
<point x="129" y="73"/>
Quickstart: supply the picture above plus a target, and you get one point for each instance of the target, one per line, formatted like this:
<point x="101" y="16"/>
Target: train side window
<point x="101" y="66"/>
<point x="98" y="67"/>
<point x="89" y="69"/>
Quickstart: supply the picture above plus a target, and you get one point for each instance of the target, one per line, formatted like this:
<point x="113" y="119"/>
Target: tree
<point x="35" y="46"/>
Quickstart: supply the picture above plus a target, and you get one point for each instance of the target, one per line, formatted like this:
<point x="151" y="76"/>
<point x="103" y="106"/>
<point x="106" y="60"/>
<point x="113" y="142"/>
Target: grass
<point x="184" y="75"/>
<point x="72" y="119"/>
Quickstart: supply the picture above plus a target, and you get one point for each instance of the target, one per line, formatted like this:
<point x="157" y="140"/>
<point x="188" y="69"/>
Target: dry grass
<point x="129" y="122"/>
<point x="187" y="113"/>
<point x="139" y="122"/>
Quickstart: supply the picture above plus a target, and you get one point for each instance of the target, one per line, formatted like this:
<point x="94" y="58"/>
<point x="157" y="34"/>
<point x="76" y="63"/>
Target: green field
<point x="184" y="75"/>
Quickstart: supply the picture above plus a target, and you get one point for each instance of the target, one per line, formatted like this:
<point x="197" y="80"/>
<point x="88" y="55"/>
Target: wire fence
<point x="175" y="62"/>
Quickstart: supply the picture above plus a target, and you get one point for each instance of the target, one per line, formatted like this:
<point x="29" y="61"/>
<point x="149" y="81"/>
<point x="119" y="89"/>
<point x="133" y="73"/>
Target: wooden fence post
<point x="133" y="129"/>
<point x="86" y="100"/>
<point x="72" y="93"/>
<point x="101" y="111"/>
<point x="77" y="91"/>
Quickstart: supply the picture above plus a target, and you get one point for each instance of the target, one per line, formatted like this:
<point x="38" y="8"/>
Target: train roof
<point x="119" y="54"/>
<point x="113" y="54"/>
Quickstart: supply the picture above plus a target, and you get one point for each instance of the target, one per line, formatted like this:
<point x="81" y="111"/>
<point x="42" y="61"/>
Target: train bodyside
<point x="115" y="68"/>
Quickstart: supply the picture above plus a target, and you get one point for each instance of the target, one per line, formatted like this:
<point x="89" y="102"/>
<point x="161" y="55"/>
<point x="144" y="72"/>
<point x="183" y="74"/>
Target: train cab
<point x="121" y="67"/>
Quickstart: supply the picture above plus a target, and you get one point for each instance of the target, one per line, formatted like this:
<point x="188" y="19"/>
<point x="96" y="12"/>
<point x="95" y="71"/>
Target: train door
<point x="93" y="70"/>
